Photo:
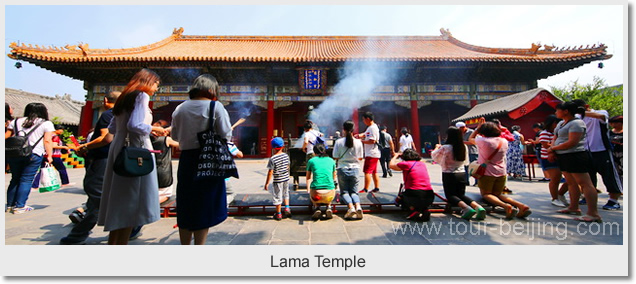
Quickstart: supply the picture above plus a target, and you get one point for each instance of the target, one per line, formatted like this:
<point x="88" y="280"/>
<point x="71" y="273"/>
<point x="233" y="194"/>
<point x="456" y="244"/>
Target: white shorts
<point x="166" y="191"/>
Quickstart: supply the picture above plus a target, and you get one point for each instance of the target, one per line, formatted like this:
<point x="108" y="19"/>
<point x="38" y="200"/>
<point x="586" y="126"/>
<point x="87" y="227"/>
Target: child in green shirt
<point x="321" y="171"/>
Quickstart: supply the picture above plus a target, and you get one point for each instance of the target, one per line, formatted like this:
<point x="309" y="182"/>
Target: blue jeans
<point x="348" y="182"/>
<point x="23" y="171"/>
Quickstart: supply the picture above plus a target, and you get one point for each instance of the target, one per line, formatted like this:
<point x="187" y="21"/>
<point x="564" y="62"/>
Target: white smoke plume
<point x="358" y="81"/>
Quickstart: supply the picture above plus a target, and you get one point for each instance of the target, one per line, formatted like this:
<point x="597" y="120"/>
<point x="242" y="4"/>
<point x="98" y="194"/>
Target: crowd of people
<point x="575" y="143"/>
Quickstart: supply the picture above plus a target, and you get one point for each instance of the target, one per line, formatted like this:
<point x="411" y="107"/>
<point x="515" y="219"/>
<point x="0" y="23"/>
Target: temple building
<point x="274" y="81"/>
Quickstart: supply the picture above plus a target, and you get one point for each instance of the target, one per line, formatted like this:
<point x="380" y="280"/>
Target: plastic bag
<point x="49" y="180"/>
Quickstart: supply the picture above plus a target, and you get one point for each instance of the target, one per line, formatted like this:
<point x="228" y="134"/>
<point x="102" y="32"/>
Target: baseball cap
<point x="460" y="124"/>
<point x="277" y="142"/>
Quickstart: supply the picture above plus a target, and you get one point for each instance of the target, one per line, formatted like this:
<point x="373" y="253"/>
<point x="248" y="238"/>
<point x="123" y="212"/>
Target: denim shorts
<point x="547" y="165"/>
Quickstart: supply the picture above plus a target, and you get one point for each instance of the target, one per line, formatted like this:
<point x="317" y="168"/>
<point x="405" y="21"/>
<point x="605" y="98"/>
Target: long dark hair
<point x="33" y="111"/>
<point x="142" y="81"/>
<point x="347" y="126"/>
<point x="320" y="150"/>
<point x="7" y="112"/>
<point x="454" y="138"/>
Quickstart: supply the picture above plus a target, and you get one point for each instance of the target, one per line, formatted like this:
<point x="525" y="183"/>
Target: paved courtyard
<point x="49" y="221"/>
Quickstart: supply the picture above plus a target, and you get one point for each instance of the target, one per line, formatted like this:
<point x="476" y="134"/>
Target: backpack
<point x="18" y="146"/>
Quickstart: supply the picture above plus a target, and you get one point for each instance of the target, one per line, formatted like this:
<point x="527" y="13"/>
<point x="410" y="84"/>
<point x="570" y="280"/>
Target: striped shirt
<point x="545" y="136"/>
<point x="279" y="164"/>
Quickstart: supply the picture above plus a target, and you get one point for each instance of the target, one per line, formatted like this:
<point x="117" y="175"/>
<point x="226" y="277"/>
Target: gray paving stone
<point x="49" y="222"/>
<point x="286" y="232"/>
<point x="273" y="242"/>
<point x="329" y="239"/>
<point x="406" y="239"/>
<point x="366" y="234"/>
<point x="252" y="238"/>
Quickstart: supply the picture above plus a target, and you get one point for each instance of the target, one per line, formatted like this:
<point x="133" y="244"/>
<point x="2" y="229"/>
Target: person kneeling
<point x="418" y="193"/>
<point x="321" y="171"/>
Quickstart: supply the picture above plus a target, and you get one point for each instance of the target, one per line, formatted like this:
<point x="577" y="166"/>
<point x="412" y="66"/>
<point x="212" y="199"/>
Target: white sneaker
<point x="328" y="213"/>
<point x="558" y="203"/>
<point x="564" y="200"/>
<point x="350" y="213"/>
<point x="359" y="213"/>
<point x="22" y="209"/>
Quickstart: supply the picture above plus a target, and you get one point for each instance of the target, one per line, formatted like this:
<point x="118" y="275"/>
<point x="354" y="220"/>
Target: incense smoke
<point x="358" y="81"/>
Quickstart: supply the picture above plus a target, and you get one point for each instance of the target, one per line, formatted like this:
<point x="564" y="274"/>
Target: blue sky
<point x="491" y="26"/>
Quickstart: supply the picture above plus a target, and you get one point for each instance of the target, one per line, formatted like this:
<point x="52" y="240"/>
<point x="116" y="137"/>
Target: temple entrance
<point x="248" y="140"/>
<point x="429" y="137"/>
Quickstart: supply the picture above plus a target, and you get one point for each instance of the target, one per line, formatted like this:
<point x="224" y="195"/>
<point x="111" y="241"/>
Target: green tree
<point x="597" y="94"/>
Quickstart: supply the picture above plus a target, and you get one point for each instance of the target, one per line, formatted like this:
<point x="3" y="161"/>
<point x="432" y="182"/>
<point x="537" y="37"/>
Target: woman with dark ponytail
<point x="569" y="145"/>
<point x="23" y="169"/>
<point x="453" y="156"/>
<point x="347" y="152"/>
<point x="406" y="140"/>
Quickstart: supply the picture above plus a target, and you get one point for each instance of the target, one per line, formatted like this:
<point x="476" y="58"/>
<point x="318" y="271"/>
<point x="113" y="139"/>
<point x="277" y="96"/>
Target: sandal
<point x="513" y="213"/>
<point x="570" y="212"/>
<point x="588" y="218"/>
<point x="524" y="214"/>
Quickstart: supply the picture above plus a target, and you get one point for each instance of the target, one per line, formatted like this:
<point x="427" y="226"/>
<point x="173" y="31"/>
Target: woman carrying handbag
<point x="130" y="201"/>
<point x="201" y="203"/>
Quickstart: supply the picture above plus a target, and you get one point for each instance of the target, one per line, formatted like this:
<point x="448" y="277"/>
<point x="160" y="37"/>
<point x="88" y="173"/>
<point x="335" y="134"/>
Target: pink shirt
<point x="486" y="146"/>
<point x="444" y="157"/>
<point x="415" y="176"/>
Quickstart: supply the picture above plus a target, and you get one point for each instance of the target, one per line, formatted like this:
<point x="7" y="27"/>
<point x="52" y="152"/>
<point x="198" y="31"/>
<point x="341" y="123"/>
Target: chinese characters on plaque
<point x="313" y="79"/>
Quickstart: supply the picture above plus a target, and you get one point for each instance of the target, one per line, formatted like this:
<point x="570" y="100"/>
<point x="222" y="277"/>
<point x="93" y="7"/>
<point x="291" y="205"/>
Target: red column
<point x="86" y="119"/>
<point x="355" y="119"/>
<point x="270" y="126"/>
<point x="473" y="103"/>
<point x="415" y="126"/>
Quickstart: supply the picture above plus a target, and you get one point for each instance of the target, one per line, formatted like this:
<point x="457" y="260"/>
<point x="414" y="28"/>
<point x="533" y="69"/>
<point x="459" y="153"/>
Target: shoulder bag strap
<point x="211" y="118"/>
<point x="15" y="127"/>
<point x="29" y="134"/>
<point x="494" y="153"/>
<point x="345" y="152"/>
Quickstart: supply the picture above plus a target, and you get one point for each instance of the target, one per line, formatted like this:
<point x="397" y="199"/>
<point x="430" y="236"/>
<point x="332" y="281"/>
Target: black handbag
<point x="215" y="159"/>
<point x="133" y="161"/>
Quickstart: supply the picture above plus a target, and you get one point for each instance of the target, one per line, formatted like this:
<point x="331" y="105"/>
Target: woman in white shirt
<point x="348" y="153"/>
<point x="406" y="140"/>
<point x="453" y="156"/>
<point x="23" y="169"/>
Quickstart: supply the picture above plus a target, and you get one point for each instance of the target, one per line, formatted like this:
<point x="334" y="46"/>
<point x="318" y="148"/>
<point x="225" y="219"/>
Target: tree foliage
<point x="597" y="94"/>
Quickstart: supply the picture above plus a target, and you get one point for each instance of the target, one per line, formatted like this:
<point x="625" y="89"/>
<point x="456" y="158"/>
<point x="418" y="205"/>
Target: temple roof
<point x="179" y="47"/>
<point x="67" y="110"/>
<point x="515" y="105"/>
